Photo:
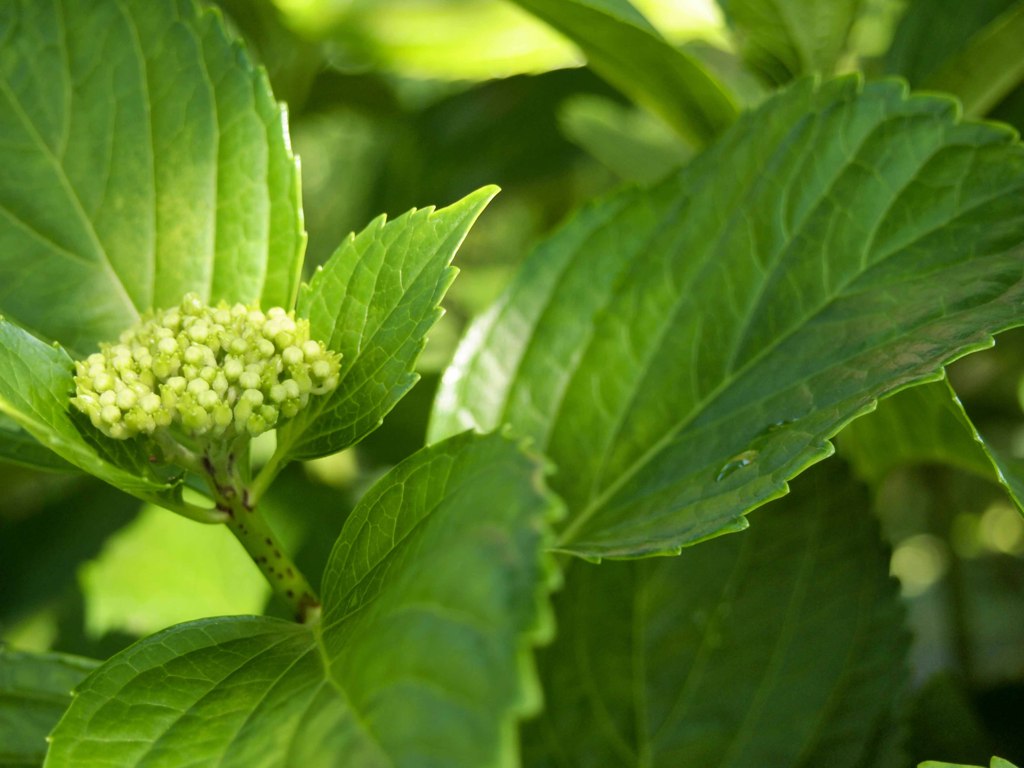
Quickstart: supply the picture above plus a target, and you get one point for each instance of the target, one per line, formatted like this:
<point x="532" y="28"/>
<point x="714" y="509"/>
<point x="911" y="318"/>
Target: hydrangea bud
<point x="210" y="372"/>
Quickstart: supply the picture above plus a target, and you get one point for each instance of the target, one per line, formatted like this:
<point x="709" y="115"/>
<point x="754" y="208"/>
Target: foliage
<point x="461" y="555"/>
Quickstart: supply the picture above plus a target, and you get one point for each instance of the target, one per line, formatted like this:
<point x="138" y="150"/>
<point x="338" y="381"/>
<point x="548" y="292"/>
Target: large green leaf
<point x="926" y="424"/>
<point x="622" y="46"/>
<point x="681" y="352"/>
<point x="434" y="593"/>
<point x="35" y="689"/>
<point x="35" y="392"/>
<point x="144" y="157"/>
<point x="781" y="39"/>
<point x="780" y="647"/>
<point x="997" y="762"/>
<point x="374" y="301"/>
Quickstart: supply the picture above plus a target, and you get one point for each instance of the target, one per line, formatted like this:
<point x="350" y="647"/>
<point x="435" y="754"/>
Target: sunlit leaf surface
<point x="144" y="157"/>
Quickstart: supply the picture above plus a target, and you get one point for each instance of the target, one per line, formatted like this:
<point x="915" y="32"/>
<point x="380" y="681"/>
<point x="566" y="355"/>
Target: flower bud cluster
<point x="210" y="372"/>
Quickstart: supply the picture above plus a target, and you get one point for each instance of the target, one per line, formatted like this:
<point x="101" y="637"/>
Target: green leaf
<point x="412" y="663"/>
<point x="782" y="39"/>
<point x="35" y="393"/>
<point x="18" y="447"/>
<point x="622" y="46"/>
<point x="926" y="424"/>
<point x="35" y="689"/>
<point x="782" y="646"/>
<point x="374" y="301"/>
<point x="144" y="157"/>
<point x="681" y="352"/>
<point x="997" y="762"/>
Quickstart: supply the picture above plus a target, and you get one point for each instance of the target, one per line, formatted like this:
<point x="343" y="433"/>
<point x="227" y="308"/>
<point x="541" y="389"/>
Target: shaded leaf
<point x="35" y="689"/>
<point x="374" y="301"/>
<point x="144" y="157"/>
<point x="989" y="66"/>
<point x="932" y="33"/>
<point x="782" y="39"/>
<point x="782" y="646"/>
<point x="411" y="663"/>
<point x="629" y="142"/>
<point x="622" y="46"/>
<point x="681" y="352"/>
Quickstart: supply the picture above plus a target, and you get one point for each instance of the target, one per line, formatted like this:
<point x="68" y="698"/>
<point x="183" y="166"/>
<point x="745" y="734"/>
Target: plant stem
<point x="226" y="472"/>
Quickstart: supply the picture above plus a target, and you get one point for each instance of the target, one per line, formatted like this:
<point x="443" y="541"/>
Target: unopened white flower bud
<point x="211" y="372"/>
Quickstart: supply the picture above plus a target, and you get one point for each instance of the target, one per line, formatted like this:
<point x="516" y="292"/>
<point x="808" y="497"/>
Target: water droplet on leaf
<point x="738" y="461"/>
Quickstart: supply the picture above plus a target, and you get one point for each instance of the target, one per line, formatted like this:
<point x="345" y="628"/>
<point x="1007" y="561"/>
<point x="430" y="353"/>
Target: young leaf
<point x="433" y="596"/>
<point x="997" y="762"/>
<point x="35" y="391"/>
<point x="374" y="301"/>
<point x="35" y="689"/>
<point x="779" y="647"/>
<point x="925" y="424"/>
<point x="681" y="352"/>
<point x="623" y="47"/>
<point x="782" y="39"/>
<point x="144" y="157"/>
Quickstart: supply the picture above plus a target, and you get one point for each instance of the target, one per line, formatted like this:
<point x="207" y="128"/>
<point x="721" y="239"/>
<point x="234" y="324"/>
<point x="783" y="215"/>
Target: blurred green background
<point x="396" y="104"/>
